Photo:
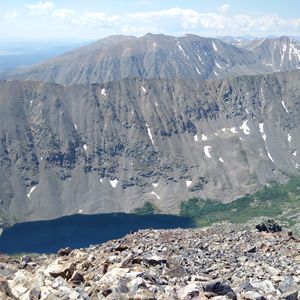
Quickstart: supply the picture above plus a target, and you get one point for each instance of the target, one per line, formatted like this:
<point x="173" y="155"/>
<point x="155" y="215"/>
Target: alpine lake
<point x="79" y="231"/>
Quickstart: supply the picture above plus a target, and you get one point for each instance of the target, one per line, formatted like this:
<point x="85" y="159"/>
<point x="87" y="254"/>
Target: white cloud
<point x="224" y="8"/>
<point x="41" y="8"/>
<point x="64" y="14"/>
<point x="192" y="21"/>
<point x="174" y="21"/>
<point x="10" y="16"/>
<point x="87" y="20"/>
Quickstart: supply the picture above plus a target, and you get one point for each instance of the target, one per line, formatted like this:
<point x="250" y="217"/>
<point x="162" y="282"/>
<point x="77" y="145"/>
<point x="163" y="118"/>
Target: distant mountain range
<point x="161" y="56"/>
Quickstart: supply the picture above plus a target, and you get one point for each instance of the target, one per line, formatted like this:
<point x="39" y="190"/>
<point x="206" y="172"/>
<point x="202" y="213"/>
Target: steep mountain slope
<point x="149" y="56"/>
<point x="281" y="53"/>
<point x="111" y="147"/>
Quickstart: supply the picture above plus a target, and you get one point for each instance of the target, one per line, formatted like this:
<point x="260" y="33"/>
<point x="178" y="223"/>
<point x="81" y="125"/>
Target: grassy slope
<point x="278" y="200"/>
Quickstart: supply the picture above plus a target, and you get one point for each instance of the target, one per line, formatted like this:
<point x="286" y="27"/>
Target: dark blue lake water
<point x="79" y="231"/>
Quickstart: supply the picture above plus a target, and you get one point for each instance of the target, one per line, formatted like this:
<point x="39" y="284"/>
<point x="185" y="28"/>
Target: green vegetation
<point x="269" y="201"/>
<point x="147" y="209"/>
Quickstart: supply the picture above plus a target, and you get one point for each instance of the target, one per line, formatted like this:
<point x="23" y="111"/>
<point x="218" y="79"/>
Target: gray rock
<point x="288" y="285"/>
<point x="252" y="295"/>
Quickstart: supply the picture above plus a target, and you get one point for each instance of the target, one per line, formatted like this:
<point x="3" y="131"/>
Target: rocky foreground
<point x="219" y="262"/>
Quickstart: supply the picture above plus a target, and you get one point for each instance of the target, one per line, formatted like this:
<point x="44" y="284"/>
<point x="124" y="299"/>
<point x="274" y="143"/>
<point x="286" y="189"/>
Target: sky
<point x="96" y="19"/>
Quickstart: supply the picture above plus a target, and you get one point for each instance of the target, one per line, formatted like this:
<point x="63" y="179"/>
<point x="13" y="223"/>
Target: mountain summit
<point x="149" y="56"/>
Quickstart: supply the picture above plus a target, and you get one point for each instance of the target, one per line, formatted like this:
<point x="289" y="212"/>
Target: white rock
<point x="190" y="289"/>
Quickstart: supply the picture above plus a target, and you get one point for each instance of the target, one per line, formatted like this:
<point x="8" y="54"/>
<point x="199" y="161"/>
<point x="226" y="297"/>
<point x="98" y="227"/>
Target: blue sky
<point x="95" y="19"/>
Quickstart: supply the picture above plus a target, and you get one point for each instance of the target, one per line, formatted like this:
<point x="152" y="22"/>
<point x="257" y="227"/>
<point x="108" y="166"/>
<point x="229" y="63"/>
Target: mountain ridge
<point x="149" y="56"/>
<point x="111" y="147"/>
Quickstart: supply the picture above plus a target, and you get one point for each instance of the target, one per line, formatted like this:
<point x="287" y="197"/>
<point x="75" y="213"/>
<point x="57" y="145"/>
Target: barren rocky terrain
<point x="257" y="261"/>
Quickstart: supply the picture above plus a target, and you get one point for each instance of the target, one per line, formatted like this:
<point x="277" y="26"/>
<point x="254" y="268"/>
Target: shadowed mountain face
<point x="149" y="56"/>
<point x="281" y="54"/>
<point x="111" y="147"/>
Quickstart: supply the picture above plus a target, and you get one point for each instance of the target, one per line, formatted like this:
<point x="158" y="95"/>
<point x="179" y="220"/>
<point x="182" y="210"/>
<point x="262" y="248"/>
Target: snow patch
<point x="103" y="92"/>
<point x="296" y="52"/>
<point x="224" y="130"/>
<point x="269" y="155"/>
<point x="247" y="111"/>
<point x="31" y="190"/>
<point x="179" y="46"/>
<point x="132" y="112"/>
<point x="261" y="130"/>
<point x="75" y="126"/>
<point x="80" y="211"/>
<point x="206" y="151"/>
<point x="232" y="129"/>
<point x="198" y="71"/>
<point x="245" y="128"/>
<point x="284" y="106"/>
<point x="101" y="180"/>
<point x="268" y="65"/>
<point x="155" y="184"/>
<point x="85" y="147"/>
<point x="153" y="193"/>
<point x="221" y="160"/>
<point x="188" y="183"/>
<point x="156" y="104"/>
<point x="144" y="89"/>
<point x="113" y="182"/>
<point x="295" y="153"/>
<point x="149" y="133"/>
<point x="216" y="73"/>
<point x="195" y="138"/>
<point x="218" y="65"/>
<point x="41" y="157"/>
<point x="215" y="47"/>
<point x="216" y="134"/>
<point x="289" y="138"/>
<point x="204" y="138"/>
<point x="296" y="165"/>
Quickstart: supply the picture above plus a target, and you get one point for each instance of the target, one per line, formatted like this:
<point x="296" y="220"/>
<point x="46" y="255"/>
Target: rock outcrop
<point x="182" y="264"/>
